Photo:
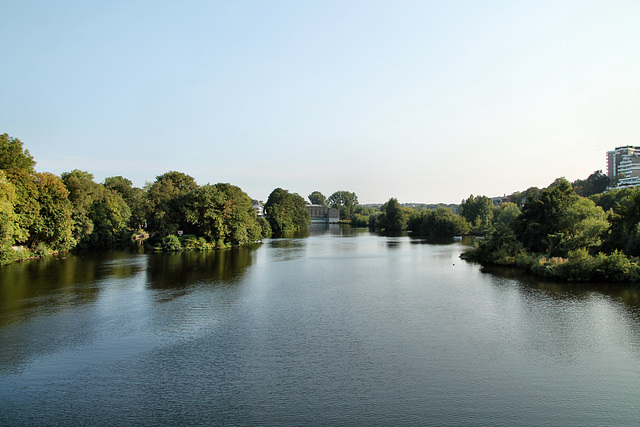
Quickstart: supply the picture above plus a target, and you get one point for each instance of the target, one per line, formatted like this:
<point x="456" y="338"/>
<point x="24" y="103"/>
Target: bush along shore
<point x="561" y="235"/>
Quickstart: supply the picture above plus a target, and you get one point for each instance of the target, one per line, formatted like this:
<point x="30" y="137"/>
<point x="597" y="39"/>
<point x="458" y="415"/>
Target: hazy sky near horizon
<point x="425" y="101"/>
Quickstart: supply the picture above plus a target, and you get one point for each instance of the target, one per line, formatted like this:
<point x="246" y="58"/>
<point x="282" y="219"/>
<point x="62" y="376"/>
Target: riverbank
<point x="579" y="265"/>
<point x="22" y="253"/>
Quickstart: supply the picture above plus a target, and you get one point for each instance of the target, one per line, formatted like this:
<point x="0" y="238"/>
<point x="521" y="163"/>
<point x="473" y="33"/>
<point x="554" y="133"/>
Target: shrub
<point x="580" y="265"/>
<point x="359" y="220"/>
<point x="7" y="254"/>
<point x="171" y="243"/>
<point x="192" y="243"/>
<point x="522" y="259"/>
<point x="41" y="250"/>
<point x="499" y="247"/>
<point x="550" y="267"/>
<point x="617" y="266"/>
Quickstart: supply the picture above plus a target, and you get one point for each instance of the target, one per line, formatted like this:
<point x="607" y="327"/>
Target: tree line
<point x="41" y="213"/>
<point x="441" y="222"/>
<point x="572" y="231"/>
<point x="561" y="234"/>
<point x="567" y="230"/>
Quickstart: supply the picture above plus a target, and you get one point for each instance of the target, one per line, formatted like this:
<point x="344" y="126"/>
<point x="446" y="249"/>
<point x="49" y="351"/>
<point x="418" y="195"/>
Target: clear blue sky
<point x="425" y="101"/>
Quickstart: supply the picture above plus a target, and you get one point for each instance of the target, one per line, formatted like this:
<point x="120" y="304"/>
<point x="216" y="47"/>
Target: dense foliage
<point x="392" y="218"/>
<point x="42" y="213"/>
<point x="222" y="213"/>
<point x="596" y="183"/>
<point x="559" y="221"/>
<point x="286" y="212"/>
<point x="317" y="198"/>
<point x="434" y="222"/>
<point x="438" y="223"/>
<point x="345" y="201"/>
<point x="165" y="198"/>
<point x="100" y="215"/>
<point x="564" y="235"/>
<point x="478" y="211"/>
<point x="623" y="207"/>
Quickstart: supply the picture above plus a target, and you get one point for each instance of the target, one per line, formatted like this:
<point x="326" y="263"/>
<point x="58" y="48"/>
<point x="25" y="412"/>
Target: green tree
<point x="54" y="225"/>
<point x="286" y="211"/>
<point x="596" y="183"/>
<point x="540" y="216"/>
<point x="317" y="198"/>
<point x="500" y="246"/>
<point x="520" y="198"/>
<point x="612" y="198"/>
<point x="165" y="198"/>
<point x="82" y="193"/>
<point x="581" y="225"/>
<point x="120" y="185"/>
<point x="18" y="166"/>
<point x="625" y="220"/>
<point x="438" y="223"/>
<point x="223" y="214"/>
<point x="109" y="214"/>
<point x="13" y="156"/>
<point x="394" y="218"/>
<point x="364" y="216"/>
<point x="506" y="214"/>
<point x="478" y="210"/>
<point x="100" y="215"/>
<point x="345" y="201"/>
<point x="9" y="228"/>
<point x="559" y="220"/>
<point x="134" y="198"/>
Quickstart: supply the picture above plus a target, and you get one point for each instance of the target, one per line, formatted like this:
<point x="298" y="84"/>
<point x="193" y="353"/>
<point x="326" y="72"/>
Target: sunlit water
<point x="342" y="327"/>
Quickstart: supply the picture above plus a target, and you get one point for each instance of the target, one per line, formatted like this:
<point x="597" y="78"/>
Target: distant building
<point x="321" y="213"/>
<point x="497" y="201"/>
<point x="623" y="166"/>
<point x="258" y="207"/>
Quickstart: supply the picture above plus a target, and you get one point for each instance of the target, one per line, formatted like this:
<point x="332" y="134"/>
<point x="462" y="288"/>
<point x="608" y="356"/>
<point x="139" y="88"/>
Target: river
<point x="339" y="327"/>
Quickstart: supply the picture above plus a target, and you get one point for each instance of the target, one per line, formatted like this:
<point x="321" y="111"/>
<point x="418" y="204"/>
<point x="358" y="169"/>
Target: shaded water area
<point x="338" y="327"/>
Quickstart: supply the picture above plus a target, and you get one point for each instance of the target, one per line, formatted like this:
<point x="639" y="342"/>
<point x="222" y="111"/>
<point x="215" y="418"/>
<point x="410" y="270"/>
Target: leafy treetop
<point x="345" y="201"/>
<point x="317" y="198"/>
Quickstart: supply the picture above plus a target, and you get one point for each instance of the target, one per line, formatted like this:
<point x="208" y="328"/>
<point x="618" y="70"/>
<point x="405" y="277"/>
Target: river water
<point x="340" y="327"/>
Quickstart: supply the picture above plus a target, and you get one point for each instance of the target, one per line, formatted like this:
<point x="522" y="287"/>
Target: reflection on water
<point x="629" y="295"/>
<point x="340" y="327"/>
<point x="336" y="230"/>
<point x="183" y="269"/>
<point x="55" y="283"/>
<point x="286" y="249"/>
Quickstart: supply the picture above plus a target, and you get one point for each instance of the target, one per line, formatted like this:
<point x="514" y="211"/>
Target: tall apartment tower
<point x="624" y="163"/>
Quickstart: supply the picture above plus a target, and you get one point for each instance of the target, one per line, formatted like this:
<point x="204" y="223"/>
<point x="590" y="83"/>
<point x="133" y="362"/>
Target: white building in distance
<point x="623" y="166"/>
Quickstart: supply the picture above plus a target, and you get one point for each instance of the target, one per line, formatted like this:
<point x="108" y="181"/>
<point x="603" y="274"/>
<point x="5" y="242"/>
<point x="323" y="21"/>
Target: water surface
<point x="339" y="327"/>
